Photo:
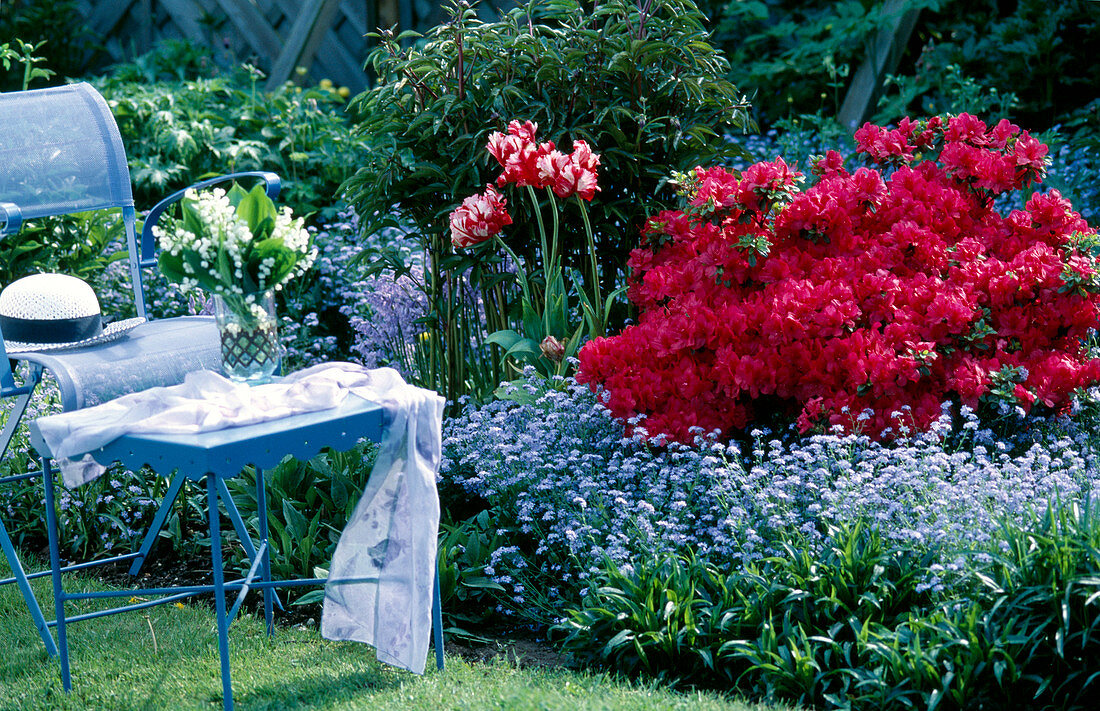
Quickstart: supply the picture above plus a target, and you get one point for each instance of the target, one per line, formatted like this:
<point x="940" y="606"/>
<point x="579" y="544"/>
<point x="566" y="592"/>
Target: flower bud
<point x="553" y="349"/>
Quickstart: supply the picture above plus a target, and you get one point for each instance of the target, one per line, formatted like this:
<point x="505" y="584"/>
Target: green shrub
<point x="171" y="60"/>
<point x="77" y="244"/>
<point x="641" y="83"/>
<point x="1037" y="50"/>
<point x="1028" y="60"/>
<point x="179" y="131"/>
<point x="944" y="90"/>
<point x="796" y="57"/>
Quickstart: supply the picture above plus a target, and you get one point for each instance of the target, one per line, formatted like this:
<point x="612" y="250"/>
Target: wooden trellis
<point x="327" y="37"/>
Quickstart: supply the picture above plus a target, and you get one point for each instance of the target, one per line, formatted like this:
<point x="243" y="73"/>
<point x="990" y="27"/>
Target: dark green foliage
<point x="1029" y="639"/>
<point x="1046" y="588"/>
<point x="641" y="83"/>
<point x="786" y="628"/>
<point x="848" y="628"/>
<point x="308" y="504"/>
<point x="1030" y="60"/>
<point x="179" y="131"/>
<point x="68" y="46"/>
<point x="467" y="594"/>
<point x="1040" y="51"/>
<point x="172" y="60"/>
<point x="796" y="57"/>
<point x="74" y="244"/>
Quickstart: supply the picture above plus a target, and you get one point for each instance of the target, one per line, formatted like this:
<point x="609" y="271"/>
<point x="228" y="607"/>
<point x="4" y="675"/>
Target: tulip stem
<point x="597" y="302"/>
<point x="545" y="263"/>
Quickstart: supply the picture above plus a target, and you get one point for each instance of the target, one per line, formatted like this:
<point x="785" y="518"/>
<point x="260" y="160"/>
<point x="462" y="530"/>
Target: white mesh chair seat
<point x="159" y="352"/>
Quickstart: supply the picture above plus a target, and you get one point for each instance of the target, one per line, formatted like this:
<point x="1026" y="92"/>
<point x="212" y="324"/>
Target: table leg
<point x="437" y="621"/>
<point x="158" y="522"/>
<point x="55" y="574"/>
<point x="265" y="566"/>
<point x="235" y="517"/>
<point x="219" y="588"/>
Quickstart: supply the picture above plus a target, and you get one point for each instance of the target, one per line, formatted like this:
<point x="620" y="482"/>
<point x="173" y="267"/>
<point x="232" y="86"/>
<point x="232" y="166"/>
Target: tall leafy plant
<point x="796" y="56"/>
<point x="641" y="80"/>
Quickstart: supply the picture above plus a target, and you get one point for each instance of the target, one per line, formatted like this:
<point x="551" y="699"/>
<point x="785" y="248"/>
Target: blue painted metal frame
<point x="86" y="104"/>
<point x="215" y="456"/>
<point x="19" y="576"/>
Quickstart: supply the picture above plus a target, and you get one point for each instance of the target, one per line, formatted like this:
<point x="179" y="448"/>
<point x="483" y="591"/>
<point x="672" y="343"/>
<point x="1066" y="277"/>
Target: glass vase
<point x="249" y="336"/>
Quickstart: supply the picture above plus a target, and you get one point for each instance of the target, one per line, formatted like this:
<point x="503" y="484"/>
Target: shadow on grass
<point x="320" y="689"/>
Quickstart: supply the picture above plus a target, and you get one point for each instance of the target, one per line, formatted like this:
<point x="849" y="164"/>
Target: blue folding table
<point x="216" y="456"/>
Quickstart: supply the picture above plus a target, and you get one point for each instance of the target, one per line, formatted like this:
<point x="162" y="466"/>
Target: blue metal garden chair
<point x="60" y="153"/>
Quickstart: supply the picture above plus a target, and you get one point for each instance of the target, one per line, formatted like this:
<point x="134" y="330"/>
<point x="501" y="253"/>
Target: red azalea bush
<point x="869" y="294"/>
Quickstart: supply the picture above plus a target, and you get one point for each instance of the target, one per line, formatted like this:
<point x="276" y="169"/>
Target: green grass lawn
<point x="166" y="658"/>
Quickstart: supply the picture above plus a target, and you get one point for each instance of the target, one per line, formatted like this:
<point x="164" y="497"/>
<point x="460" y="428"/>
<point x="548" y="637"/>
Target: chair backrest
<point x="60" y="152"/>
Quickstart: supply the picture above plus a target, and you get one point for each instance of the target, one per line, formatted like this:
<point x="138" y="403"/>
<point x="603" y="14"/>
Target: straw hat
<point x="49" y="312"/>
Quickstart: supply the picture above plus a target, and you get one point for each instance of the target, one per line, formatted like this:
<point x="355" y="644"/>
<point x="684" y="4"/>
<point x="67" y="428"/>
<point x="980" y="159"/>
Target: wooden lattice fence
<point x="327" y="37"/>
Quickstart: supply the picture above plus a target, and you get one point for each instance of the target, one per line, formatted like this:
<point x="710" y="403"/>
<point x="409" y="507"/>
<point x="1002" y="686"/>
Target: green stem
<point x="598" y="302"/>
<point x="519" y="269"/>
<point x="554" y="238"/>
<point x="436" y="369"/>
<point x="542" y="244"/>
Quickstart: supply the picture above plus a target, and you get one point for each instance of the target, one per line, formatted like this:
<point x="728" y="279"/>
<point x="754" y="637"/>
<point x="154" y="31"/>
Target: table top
<point x="227" y="451"/>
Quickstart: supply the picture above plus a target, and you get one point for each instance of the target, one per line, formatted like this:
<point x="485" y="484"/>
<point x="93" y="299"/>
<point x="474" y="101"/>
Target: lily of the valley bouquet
<point x="235" y="245"/>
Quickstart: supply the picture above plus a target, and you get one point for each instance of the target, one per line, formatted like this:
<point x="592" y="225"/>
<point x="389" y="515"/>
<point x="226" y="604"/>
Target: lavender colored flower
<point x="558" y="467"/>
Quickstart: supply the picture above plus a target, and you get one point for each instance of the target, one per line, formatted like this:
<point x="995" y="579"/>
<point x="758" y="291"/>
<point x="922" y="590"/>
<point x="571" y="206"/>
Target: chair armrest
<point x="8" y="388"/>
<point x="148" y="243"/>
<point x="12" y="218"/>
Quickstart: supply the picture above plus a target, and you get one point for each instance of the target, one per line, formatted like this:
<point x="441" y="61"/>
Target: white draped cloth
<point x="391" y="536"/>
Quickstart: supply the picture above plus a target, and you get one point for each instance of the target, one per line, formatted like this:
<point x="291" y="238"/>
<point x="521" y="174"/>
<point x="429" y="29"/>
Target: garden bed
<point x="834" y="435"/>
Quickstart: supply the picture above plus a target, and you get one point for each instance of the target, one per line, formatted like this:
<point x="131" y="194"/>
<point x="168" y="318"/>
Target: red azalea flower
<point x="890" y="293"/>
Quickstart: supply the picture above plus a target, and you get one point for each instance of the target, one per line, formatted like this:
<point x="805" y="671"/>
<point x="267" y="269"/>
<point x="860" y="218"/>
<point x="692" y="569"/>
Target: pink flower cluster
<point x="526" y="162"/>
<point x="874" y="293"/>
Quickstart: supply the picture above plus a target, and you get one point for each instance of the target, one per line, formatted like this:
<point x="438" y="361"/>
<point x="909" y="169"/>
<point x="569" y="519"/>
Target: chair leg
<point x="437" y="621"/>
<point x="55" y="574"/>
<point x="15" y="416"/>
<point x="219" y="588"/>
<point x="25" y="588"/>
